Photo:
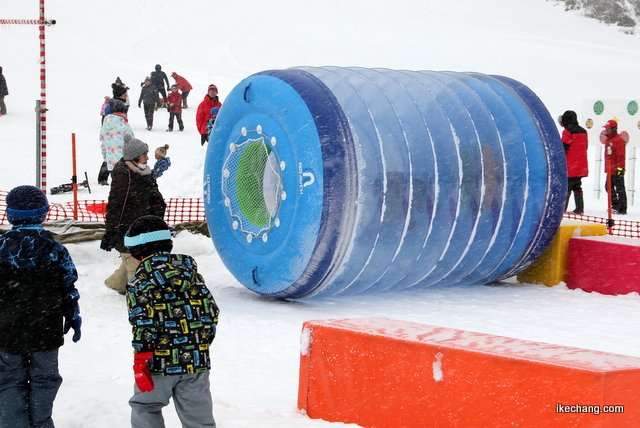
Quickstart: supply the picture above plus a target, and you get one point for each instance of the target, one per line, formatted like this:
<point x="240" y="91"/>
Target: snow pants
<point x="191" y="397"/>
<point x="618" y="193"/>
<point x="103" y="174"/>
<point x="575" y="186"/>
<point x="127" y="270"/>
<point x="29" y="384"/>
<point x="149" y="109"/>
<point x="3" y="106"/>
<point x="178" y="117"/>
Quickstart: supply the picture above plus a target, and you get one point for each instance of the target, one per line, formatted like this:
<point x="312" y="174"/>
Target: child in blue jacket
<point x="162" y="161"/>
<point x="38" y="305"/>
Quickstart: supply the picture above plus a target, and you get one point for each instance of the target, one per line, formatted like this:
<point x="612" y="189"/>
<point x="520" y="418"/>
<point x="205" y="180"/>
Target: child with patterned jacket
<point x="38" y="305"/>
<point x="174" y="316"/>
<point x="162" y="161"/>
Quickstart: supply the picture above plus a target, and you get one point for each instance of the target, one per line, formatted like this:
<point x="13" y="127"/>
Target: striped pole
<point x="41" y="109"/>
<point x="47" y="22"/>
<point x="43" y="106"/>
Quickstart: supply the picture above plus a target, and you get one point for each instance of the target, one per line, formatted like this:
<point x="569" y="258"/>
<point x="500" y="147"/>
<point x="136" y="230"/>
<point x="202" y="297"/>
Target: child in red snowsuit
<point x="175" y="108"/>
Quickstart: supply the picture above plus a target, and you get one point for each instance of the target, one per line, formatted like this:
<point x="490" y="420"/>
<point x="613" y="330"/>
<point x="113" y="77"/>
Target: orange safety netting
<point x="625" y="228"/>
<point x="179" y="210"/>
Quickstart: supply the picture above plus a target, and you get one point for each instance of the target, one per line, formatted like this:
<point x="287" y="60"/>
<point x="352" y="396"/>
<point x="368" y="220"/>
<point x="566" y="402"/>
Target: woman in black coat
<point x="134" y="193"/>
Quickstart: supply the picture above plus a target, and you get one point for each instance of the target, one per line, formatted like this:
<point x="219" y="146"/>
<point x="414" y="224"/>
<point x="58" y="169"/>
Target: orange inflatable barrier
<point x="383" y="373"/>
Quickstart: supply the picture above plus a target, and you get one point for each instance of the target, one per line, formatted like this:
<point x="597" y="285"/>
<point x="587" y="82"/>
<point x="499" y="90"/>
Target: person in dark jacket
<point x="148" y="96"/>
<point x="4" y="91"/>
<point x="173" y="317"/>
<point x="615" y="166"/>
<point x="134" y="193"/>
<point x="159" y="79"/>
<point x="38" y="305"/>
<point x="120" y="94"/>
<point x="576" y="142"/>
<point x="203" y="114"/>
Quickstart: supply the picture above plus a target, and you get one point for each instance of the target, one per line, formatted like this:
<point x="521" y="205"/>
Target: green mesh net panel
<point x="252" y="184"/>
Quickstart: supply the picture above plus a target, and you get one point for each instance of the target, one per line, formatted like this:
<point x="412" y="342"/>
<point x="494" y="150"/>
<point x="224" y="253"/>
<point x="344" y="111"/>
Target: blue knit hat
<point x="26" y="205"/>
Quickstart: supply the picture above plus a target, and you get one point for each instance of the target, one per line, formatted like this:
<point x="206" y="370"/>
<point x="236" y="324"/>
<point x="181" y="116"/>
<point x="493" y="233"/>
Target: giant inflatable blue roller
<point x="327" y="180"/>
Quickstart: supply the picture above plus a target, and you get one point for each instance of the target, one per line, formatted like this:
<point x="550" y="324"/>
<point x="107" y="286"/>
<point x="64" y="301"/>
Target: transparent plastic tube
<point x="381" y="180"/>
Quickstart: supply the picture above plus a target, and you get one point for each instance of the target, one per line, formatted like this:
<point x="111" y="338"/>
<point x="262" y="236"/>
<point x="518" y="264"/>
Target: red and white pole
<point x="41" y="109"/>
<point x="43" y="105"/>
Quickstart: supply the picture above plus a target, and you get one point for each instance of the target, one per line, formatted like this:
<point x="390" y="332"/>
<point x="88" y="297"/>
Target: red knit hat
<point x="212" y="87"/>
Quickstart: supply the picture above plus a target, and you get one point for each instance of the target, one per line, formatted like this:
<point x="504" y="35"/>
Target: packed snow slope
<point x="563" y="57"/>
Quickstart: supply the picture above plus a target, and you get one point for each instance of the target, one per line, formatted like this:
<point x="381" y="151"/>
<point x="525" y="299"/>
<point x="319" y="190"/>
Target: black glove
<point x="109" y="240"/>
<point x="72" y="319"/>
<point x="73" y="323"/>
<point x="138" y="105"/>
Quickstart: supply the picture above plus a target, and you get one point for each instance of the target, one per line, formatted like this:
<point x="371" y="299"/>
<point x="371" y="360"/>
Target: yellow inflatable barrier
<point x="551" y="267"/>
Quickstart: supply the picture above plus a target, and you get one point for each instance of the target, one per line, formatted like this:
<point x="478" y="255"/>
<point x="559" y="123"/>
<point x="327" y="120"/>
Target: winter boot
<point x="578" y="197"/>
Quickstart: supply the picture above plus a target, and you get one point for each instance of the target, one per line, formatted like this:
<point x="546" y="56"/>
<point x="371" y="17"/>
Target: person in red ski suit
<point x="614" y="166"/>
<point x="174" y="101"/>
<point x="575" y="141"/>
<point x="184" y="86"/>
<point x="204" y="112"/>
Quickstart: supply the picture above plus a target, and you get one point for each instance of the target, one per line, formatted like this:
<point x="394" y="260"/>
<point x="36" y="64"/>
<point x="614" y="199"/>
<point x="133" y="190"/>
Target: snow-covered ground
<point x="564" y="58"/>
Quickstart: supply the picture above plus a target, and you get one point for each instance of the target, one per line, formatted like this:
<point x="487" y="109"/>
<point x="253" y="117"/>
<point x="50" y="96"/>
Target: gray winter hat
<point x="133" y="148"/>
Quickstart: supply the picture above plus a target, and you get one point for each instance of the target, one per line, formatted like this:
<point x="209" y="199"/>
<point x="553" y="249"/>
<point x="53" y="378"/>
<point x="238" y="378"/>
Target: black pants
<point x="104" y="173"/>
<point x="149" y="109"/>
<point x="184" y="99"/>
<point x="178" y="117"/>
<point x="574" y="184"/>
<point x="618" y="193"/>
<point x="163" y="93"/>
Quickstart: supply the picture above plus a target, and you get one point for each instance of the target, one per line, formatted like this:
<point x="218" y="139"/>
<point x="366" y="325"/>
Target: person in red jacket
<point x="204" y="112"/>
<point x="575" y="141"/>
<point x="175" y="110"/>
<point x="614" y="166"/>
<point x="183" y="86"/>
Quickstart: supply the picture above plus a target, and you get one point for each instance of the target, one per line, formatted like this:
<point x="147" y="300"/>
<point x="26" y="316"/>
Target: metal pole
<point x="598" y="168"/>
<point x="74" y="178"/>
<point x="37" y="110"/>
<point x="631" y="177"/>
